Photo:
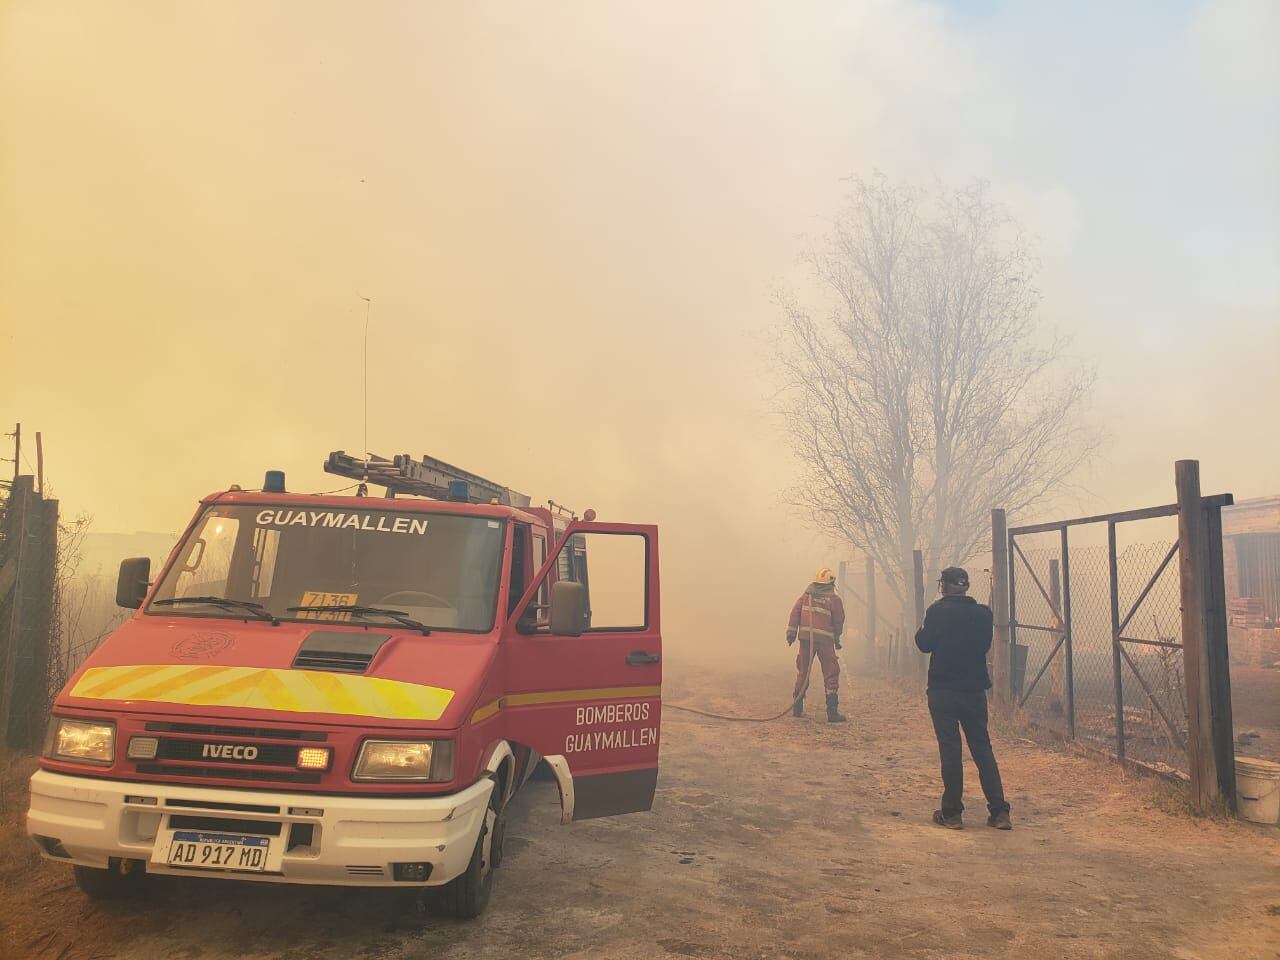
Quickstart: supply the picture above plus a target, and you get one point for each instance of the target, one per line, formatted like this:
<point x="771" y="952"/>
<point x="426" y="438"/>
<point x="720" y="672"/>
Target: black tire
<point x="466" y="896"/>
<point x="117" y="882"/>
<point x="498" y="844"/>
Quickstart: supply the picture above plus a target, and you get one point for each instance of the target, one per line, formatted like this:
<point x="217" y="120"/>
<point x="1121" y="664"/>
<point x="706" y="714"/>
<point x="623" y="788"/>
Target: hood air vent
<point x="339" y="652"/>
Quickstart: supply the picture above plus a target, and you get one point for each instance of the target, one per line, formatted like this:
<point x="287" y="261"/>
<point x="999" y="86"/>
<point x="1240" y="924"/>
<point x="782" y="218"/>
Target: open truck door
<point x="583" y="662"/>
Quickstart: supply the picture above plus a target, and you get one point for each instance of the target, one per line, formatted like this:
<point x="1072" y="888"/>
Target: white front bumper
<point x="355" y="840"/>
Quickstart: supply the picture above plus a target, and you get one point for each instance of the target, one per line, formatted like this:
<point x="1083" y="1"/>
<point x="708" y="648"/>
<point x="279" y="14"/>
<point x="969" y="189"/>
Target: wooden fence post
<point x="1218" y="658"/>
<point x="20" y="498"/>
<point x="869" y="644"/>
<point x="843" y="589"/>
<point x="1210" y="750"/>
<point x="1068" y="644"/>
<point x="1058" y="670"/>
<point x="40" y="631"/>
<point x="917" y="563"/>
<point x="1000" y="652"/>
<point x="28" y="582"/>
<point x="1117" y="667"/>
<point x="914" y="656"/>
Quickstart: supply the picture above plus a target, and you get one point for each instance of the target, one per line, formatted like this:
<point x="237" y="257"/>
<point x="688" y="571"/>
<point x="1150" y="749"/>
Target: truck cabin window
<point x="618" y="584"/>
<point x="439" y="569"/>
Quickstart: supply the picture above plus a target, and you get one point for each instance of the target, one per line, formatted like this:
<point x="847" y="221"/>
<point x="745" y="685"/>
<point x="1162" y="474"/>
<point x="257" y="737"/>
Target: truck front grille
<point x="228" y="772"/>
<point x="268" y="754"/>
<point x="202" y="751"/>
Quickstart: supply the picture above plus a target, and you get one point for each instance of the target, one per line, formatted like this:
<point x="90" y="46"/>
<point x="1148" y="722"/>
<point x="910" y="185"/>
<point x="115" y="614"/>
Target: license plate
<point x="218" y="851"/>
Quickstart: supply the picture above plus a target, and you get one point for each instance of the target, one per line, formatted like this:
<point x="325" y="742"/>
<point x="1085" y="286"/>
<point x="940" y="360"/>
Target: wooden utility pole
<point x="1209" y="738"/>
<point x="39" y="466"/>
<point x="869" y="647"/>
<point x="17" y="449"/>
<point x="1000" y="652"/>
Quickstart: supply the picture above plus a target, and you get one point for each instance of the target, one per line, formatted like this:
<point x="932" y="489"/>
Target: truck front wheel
<point x="120" y="880"/>
<point x="466" y="896"/>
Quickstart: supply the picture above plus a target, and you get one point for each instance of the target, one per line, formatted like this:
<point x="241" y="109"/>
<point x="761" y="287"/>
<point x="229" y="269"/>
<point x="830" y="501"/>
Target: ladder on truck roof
<point x="427" y="477"/>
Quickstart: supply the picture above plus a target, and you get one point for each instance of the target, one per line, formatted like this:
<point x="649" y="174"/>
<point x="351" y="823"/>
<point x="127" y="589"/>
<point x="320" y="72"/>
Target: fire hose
<point x="804" y="688"/>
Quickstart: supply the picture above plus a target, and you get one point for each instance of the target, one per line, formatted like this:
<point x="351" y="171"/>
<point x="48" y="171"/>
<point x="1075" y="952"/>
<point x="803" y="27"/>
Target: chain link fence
<point x="1127" y="698"/>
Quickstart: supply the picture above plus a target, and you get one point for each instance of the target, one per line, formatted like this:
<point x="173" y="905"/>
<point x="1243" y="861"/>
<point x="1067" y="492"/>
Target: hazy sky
<point x="571" y="218"/>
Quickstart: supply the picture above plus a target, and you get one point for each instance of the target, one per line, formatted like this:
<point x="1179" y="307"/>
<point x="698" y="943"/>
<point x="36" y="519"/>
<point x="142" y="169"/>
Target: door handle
<point x="641" y="658"/>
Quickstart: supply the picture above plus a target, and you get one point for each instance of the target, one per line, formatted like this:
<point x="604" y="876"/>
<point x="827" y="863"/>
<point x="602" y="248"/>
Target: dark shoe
<point x="834" y="715"/>
<point x="1000" y="821"/>
<point x="797" y="708"/>
<point x="951" y="823"/>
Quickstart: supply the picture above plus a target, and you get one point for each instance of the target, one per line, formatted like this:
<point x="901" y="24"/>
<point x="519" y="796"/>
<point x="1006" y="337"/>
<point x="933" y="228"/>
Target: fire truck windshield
<point x="440" y="569"/>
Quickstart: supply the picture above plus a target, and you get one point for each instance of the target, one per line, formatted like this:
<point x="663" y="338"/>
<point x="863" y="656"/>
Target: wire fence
<point x="1124" y="698"/>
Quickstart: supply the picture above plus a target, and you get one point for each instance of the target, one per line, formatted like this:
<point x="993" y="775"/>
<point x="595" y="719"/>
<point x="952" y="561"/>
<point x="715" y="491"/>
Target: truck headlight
<point x="427" y="761"/>
<point x="81" y="741"/>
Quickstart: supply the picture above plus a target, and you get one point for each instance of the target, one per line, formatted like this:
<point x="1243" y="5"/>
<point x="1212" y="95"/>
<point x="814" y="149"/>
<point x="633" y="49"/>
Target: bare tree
<point x="929" y="394"/>
<point x="84" y="606"/>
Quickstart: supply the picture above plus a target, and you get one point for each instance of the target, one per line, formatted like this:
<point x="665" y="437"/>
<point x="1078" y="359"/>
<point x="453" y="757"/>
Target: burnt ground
<point x="792" y="840"/>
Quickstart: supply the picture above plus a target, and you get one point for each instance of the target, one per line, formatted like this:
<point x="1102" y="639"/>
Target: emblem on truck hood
<point x="201" y="646"/>
<point x="264" y="688"/>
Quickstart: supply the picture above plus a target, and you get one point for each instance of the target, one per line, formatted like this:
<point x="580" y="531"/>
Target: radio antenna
<point x="368" y="307"/>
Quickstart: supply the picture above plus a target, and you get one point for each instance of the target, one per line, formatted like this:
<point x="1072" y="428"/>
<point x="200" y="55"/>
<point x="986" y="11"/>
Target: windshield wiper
<point x="354" y="608"/>
<point x="258" y="611"/>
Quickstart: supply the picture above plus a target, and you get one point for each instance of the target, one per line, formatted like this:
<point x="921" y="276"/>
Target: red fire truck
<point x="350" y="689"/>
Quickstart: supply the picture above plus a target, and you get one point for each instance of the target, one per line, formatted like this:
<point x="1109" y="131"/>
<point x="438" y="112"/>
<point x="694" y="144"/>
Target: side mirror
<point x="568" y="608"/>
<point x="135" y="577"/>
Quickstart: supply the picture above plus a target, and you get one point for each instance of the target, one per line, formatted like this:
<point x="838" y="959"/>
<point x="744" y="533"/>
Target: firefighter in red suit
<point x="817" y="621"/>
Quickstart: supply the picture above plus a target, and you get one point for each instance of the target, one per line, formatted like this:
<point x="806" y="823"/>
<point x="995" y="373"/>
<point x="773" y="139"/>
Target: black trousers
<point x="951" y="711"/>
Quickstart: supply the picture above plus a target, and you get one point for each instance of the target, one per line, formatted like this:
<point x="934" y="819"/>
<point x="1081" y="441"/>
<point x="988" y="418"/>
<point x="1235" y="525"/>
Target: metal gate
<point x="1097" y="636"/>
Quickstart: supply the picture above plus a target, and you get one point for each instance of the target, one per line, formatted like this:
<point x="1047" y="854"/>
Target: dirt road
<point x="791" y="840"/>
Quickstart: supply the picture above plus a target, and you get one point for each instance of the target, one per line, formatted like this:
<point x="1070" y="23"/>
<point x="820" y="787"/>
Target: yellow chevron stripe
<point x="258" y="688"/>
<point x="120" y="675"/>
<point x="150" y="685"/>
<point x="562" y="696"/>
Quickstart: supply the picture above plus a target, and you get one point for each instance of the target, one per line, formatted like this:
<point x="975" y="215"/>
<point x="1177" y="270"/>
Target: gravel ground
<point x="796" y="839"/>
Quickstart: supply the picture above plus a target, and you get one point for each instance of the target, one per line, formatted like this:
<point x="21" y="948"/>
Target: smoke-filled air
<point x="806" y="290"/>
<point x="574" y="221"/>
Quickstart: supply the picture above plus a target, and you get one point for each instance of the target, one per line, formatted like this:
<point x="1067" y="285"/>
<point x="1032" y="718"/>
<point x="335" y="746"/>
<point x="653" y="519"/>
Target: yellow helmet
<point x="824" y="575"/>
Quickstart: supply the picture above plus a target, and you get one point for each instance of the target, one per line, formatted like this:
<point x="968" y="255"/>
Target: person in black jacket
<point x="957" y="635"/>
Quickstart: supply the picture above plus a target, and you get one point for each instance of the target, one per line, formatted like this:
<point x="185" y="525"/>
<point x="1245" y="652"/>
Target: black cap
<point x="956" y="576"/>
